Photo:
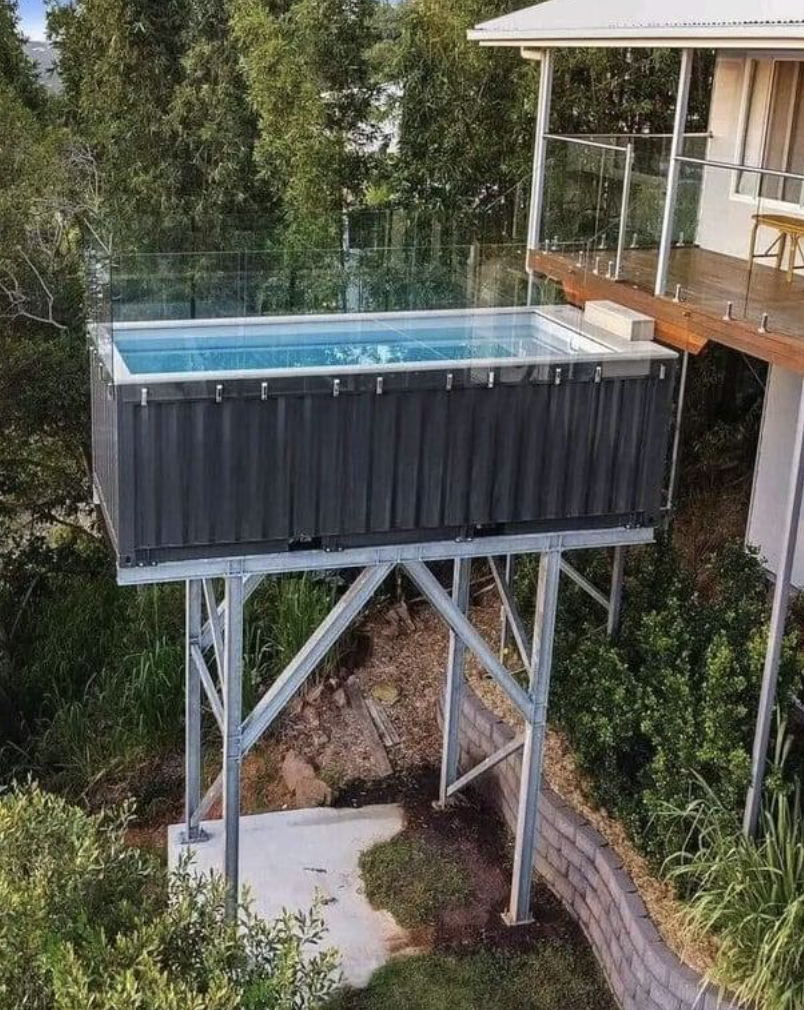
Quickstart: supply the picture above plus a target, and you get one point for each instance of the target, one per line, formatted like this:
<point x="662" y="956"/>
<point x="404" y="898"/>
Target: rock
<point x="385" y="692"/>
<point x="313" y="793"/>
<point x="300" y="778"/>
<point x="296" y="705"/>
<point x="321" y="739"/>
<point x="311" y="717"/>
<point x="296" y="770"/>
<point x="315" y="694"/>
<point x="339" y="697"/>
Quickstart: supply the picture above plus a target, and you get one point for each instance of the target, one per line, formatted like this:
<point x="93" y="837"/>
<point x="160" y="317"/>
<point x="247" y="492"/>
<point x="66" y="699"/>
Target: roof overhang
<point x="698" y="24"/>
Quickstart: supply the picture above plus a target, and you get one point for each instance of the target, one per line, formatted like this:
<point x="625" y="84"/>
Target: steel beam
<point x="363" y="557"/>
<point x="455" y="682"/>
<point x="250" y="583"/>
<point x="214" y="618"/>
<point x="192" y="714"/>
<point x="490" y="762"/>
<point x="432" y="589"/>
<point x="773" y="654"/>
<point x="616" y="592"/>
<point x="510" y="571"/>
<point x="300" y="667"/>
<point x="313" y="652"/>
<point x="208" y="684"/>
<point x="511" y="616"/>
<point x="676" y="150"/>
<point x="588" y="587"/>
<point x="232" y="751"/>
<point x="535" y="729"/>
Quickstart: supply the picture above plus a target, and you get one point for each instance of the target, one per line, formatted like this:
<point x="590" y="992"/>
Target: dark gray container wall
<point x="294" y="465"/>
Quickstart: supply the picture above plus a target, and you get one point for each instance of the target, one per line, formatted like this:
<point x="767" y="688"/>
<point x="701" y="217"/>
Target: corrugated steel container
<point x="206" y="469"/>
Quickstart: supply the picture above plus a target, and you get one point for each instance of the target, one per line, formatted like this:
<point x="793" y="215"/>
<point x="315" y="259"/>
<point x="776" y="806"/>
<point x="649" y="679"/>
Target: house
<point x="702" y="230"/>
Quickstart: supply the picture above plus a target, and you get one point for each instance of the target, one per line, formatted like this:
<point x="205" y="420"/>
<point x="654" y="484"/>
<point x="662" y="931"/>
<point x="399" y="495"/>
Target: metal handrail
<point x="585" y="143"/>
<point x="732" y="167"/>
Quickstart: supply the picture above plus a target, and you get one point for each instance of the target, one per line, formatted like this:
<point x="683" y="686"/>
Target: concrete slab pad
<point x="287" y="856"/>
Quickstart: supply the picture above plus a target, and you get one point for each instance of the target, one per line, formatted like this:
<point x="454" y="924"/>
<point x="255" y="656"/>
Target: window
<point x="774" y="130"/>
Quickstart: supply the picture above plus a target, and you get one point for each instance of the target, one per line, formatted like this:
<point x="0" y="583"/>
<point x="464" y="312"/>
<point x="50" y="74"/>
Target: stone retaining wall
<point x="587" y="875"/>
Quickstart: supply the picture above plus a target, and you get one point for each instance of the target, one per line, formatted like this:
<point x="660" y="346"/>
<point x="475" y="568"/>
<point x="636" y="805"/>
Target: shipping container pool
<point x="226" y="437"/>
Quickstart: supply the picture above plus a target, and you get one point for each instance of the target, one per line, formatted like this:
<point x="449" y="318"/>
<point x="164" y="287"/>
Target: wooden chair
<point x="789" y="230"/>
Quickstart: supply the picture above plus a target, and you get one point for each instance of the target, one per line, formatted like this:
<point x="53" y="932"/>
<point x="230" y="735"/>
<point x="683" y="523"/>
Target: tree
<point x="309" y="82"/>
<point x="17" y="71"/>
<point x="466" y="128"/>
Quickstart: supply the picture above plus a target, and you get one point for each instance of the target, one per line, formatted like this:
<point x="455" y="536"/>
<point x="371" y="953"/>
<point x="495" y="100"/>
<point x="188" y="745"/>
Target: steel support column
<point x="233" y="705"/>
<point x="616" y="592"/>
<point x="535" y="728"/>
<point x="455" y="682"/>
<point x="773" y="654"/>
<point x="676" y="150"/>
<point x="192" y="713"/>
<point x="676" y="451"/>
<point x="539" y="160"/>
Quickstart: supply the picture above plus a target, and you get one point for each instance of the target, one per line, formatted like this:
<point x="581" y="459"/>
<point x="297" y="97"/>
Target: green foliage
<point x="309" y="83"/>
<point x="414" y="878"/>
<point x="749" y="893"/>
<point x="17" y="71"/>
<point x="549" y="975"/>
<point x="675" y="696"/>
<point x="87" y="921"/>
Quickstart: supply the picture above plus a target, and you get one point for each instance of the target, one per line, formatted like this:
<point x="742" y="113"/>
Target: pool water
<point x="363" y="342"/>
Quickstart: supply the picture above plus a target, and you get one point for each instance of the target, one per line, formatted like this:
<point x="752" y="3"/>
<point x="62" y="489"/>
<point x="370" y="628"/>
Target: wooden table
<point x="788" y="228"/>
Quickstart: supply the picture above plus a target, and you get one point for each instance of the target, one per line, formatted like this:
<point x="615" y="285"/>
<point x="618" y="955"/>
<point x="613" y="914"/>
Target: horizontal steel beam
<point x="364" y="557"/>
<point x="432" y="589"/>
<point x="493" y="759"/>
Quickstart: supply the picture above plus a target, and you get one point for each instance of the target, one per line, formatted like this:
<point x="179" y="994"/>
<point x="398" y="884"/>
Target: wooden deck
<point x="708" y="281"/>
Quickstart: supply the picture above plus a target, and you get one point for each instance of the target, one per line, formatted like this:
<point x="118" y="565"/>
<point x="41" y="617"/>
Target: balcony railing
<point x="604" y="206"/>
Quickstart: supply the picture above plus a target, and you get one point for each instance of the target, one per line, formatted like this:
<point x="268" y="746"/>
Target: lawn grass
<point x="551" y="976"/>
<point x="414" y="878"/>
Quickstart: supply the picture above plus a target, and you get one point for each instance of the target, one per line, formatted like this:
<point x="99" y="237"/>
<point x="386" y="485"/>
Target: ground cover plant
<point x="88" y="921"/>
<point x="675" y="695"/>
<point x="748" y="892"/>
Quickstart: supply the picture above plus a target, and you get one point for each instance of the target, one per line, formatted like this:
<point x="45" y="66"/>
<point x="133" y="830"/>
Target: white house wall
<point x="725" y="218"/>
<point x="772" y="473"/>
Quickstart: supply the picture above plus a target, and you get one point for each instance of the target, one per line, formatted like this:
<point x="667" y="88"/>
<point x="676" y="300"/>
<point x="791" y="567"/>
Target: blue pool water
<point x="341" y="344"/>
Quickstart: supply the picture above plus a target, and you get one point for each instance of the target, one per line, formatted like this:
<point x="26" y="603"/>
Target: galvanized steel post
<point x="192" y="713"/>
<point x="233" y="705"/>
<point x="539" y="158"/>
<point x="455" y="681"/>
<point x="773" y="653"/>
<point x="535" y="728"/>
<point x="676" y="150"/>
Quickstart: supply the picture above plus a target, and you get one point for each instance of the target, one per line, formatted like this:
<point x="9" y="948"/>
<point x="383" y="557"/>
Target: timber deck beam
<point x="677" y="323"/>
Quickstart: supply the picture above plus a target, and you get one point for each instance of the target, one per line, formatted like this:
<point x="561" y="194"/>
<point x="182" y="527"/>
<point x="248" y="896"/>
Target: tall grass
<point x="749" y="894"/>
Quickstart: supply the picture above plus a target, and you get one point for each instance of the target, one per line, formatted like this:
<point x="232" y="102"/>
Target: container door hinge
<point x="490" y="382"/>
<point x="599" y="373"/>
<point x="336" y="387"/>
<point x="379" y="385"/>
<point x="218" y="392"/>
<point x="144" y="396"/>
<point x="662" y="372"/>
<point x="557" y="377"/>
<point x="449" y="381"/>
<point x="263" y="390"/>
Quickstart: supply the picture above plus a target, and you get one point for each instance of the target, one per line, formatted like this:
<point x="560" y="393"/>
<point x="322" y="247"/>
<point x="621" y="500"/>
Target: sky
<point x="32" y="18"/>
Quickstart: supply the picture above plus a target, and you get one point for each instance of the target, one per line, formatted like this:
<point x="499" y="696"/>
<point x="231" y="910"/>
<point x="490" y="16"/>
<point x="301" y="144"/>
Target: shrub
<point x="750" y="893"/>
<point x="86" y="921"/>
<point x="676" y="694"/>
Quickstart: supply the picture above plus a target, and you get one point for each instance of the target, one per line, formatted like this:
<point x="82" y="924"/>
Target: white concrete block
<point x="619" y="320"/>
<point x="288" y="856"/>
